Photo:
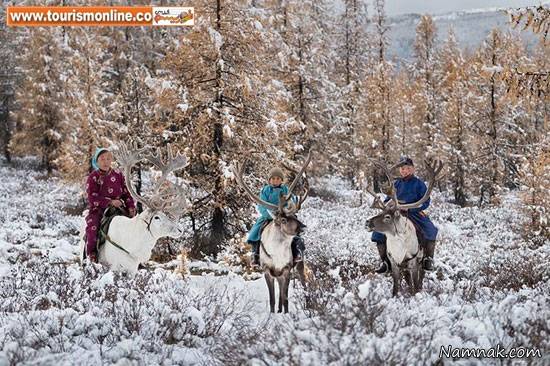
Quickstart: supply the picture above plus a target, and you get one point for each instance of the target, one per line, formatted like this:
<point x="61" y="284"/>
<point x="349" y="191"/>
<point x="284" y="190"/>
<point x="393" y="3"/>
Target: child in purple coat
<point x="104" y="187"/>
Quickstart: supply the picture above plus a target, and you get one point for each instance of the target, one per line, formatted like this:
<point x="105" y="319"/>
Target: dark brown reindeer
<point x="276" y="257"/>
<point x="404" y="251"/>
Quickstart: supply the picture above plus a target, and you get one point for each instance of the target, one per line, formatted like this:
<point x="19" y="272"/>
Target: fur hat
<point x="276" y="172"/>
<point x="405" y="160"/>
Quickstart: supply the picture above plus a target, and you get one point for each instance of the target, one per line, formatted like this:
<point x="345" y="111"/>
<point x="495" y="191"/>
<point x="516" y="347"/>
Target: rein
<point x="108" y="238"/>
<point x="265" y="251"/>
<point x="116" y="245"/>
<point x="414" y="256"/>
<point x="148" y="224"/>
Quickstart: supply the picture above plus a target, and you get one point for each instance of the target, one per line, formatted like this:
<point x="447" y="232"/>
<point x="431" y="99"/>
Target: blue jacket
<point x="269" y="194"/>
<point x="410" y="190"/>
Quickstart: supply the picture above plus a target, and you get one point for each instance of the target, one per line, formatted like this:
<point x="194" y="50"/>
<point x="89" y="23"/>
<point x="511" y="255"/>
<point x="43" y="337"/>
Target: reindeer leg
<point x="271" y="288"/>
<point x="408" y="276"/>
<point x="281" y="282"/>
<point x="396" y="275"/>
<point x="413" y="273"/>
<point x="420" y="276"/>
<point x="286" y="286"/>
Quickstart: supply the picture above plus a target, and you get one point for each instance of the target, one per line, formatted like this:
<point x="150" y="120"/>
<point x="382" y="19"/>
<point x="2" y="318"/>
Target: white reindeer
<point x="404" y="251"/>
<point x="276" y="253"/>
<point x="130" y="241"/>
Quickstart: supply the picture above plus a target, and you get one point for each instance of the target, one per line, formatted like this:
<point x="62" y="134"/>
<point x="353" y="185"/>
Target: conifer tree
<point x="425" y="51"/>
<point x="456" y="116"/>
<point x="41" y="121"/>
<point x="218" y="112"/>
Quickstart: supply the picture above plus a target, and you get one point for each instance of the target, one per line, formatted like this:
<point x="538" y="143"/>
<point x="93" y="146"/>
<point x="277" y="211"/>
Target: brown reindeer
<point x="276" y="255"/>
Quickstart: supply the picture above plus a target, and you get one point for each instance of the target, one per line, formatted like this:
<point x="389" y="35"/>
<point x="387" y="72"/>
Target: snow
<point x="491" y="288"/>
<point x="216" y="38"/>
<point x="227" y="131"/>
<point x="493" y="69"/>
<point x="166" y="84"/>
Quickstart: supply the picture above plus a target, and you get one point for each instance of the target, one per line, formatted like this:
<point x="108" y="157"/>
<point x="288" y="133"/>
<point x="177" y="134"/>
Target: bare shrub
<point x="513" y="270"/>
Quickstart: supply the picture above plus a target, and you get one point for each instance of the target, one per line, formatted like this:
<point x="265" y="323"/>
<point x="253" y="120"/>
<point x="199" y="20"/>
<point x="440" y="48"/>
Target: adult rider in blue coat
<point x="409" y="189"/>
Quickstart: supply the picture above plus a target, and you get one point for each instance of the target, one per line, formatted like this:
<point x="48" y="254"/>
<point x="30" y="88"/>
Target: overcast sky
<point x="394" y="7"/>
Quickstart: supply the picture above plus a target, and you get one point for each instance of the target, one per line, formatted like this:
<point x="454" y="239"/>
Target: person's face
<point x="406" y="170"/>
<point x="275" y="181"/>
<point x="105" y="160"/>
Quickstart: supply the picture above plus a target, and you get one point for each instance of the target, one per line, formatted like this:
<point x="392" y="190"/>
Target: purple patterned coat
<point x="101" y="188"/>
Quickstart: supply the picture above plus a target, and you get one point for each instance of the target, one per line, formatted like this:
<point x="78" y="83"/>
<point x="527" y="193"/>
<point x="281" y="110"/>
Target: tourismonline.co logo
<point x="493" y="352"/>
<point x="44" y="16"/>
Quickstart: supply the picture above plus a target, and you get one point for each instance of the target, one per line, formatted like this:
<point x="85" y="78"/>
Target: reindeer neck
<point x="402" y="227"/>
<point x="144" y="240"/>
<point x="277" y="245"/>
<point x="404" y="242"/>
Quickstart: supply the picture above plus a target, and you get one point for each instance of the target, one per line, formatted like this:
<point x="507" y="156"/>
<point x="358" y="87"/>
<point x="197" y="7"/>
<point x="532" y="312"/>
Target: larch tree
<point x="301" y="66"/>
<point x="500" y="122"/>
<point x="217" y="103"/>
<point x="9" y="75"/>
<point x="536" y="178"/>
<point x="425" y="52"/>
<point x="406" y="129"/>
<point x="377" y="105"/>
<point x="532" y="81"/>
<point x="41" y="122"/>
<point x="456" y="116"/>
<point x="351" y="57"/>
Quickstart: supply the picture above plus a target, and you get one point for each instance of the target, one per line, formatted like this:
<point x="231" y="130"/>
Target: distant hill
<point x="470" y="27"/>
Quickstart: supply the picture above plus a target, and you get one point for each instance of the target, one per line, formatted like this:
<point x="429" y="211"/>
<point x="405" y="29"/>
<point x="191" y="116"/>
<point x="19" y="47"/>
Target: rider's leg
<point x="428" y="261"/>
<point x="298" y="248"/>
<point x="92" y="227"/>
<point x="385" y="266"/>
<point x="255" y="251"/>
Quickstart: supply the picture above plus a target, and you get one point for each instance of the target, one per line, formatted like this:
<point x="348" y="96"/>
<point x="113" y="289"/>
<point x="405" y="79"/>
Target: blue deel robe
<point x="269" y="194"/>
<point x="409" y="190"/>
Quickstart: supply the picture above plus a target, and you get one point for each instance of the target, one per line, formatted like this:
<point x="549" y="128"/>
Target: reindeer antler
<point x="238" y="171"/>
<point x="293" y="207"/>
<point x="434" y="168"/>
<point x="387" y="173"/>
<point x="168" y="165"/>
<point x="127" y="156"/>
<point x="169" y="198"/>
<point x="377" y="202"/>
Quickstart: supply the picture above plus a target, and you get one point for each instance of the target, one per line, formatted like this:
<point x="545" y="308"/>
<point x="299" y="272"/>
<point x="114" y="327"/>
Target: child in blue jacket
<point x="271" y="193"/>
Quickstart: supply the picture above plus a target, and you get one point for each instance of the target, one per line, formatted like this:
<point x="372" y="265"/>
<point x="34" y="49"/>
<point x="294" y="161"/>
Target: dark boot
<point x="428" y="261"/>
<point x="385" y="267"/>
<point x="255" y="252"/>
<point x="298" y="248"/>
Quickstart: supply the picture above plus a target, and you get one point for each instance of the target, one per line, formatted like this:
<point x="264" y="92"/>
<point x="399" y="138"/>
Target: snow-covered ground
<point x="491" y="289"/>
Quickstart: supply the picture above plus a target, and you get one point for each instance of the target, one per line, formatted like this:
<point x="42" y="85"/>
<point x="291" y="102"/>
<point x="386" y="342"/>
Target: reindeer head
<point x="161" y="225"/>
<point x="168" y="200"/>
<point x="284" y="214"/>
<point x="389" y="219"/>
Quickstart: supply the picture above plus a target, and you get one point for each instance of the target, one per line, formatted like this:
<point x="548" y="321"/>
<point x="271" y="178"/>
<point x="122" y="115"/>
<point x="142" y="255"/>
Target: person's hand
<point x="132" y="212"/>
<point x="116" y="203"/>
